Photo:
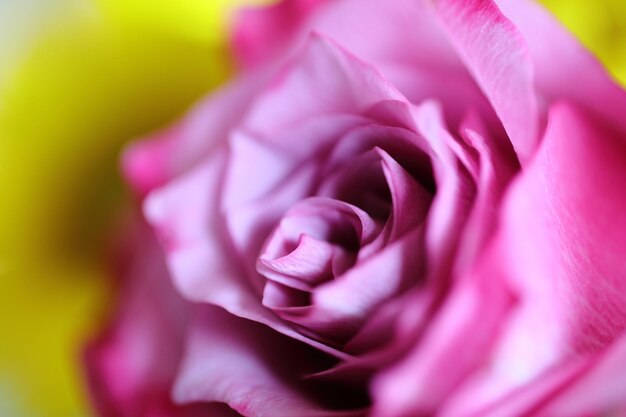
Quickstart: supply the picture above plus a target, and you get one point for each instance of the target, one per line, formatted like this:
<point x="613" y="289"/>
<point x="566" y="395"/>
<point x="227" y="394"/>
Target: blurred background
<point x="78" y="79"/>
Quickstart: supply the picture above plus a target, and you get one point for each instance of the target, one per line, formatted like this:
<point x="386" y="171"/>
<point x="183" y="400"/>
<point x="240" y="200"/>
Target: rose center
<point x="360" y="208"/>
<point x="316" y="241"/>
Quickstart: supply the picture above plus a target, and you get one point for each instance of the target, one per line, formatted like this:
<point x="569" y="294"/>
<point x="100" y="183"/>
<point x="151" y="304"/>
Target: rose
<point x="401" y="215"/>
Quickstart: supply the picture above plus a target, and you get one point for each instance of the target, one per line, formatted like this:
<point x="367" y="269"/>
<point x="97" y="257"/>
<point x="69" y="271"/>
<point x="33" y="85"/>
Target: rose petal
<point x="311" y="263"/>
<point x="332" y="82"/>
<point x="560" y="247"/>
<point x="579" y="387"/>
<point x="131" y="368"/>
<point x="252" y="209"/>
<point x="340" y="307"/>
<point x="186" y="217"/>
<point x="410" y="201"/>
<point x="232" y="360"/>
<point x="326" y="234"/>
<point x="259" y="33"/>
<point x="324" y="79"/>
<point x="452" y="347"/>
<point x="497" y="55"/>
<point x="450" y="208"/>
<point x="493" y="172"/>
<point x="599" y="389"/>
<point x="576" y="236"/>
<point x="422" y="66"/>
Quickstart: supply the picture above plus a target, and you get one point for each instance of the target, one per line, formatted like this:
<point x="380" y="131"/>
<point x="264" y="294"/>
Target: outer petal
<point x="590" y="386"/>
<point x="600" y="388"/>
<point x="422" y="66"/>
<point x="132" y="367"/>
<point x="351" y="23"/>
<point x="262" y="32"/>
<point x="561" y="248"/>
<point x="253" y="369"/>
<point x="496" y="54"/>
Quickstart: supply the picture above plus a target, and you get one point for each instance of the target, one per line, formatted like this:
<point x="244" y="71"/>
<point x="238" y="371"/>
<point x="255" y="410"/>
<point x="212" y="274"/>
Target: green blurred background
<point x="78" y="79"/>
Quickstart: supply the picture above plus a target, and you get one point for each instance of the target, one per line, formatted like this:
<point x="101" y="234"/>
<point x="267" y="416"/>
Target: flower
<point x="394" y="211"/>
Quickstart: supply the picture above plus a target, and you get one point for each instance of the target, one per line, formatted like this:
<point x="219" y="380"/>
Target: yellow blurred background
<point x="78" y="78"/>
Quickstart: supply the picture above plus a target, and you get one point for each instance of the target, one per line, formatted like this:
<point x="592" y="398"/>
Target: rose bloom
<point x="400" y="208"/>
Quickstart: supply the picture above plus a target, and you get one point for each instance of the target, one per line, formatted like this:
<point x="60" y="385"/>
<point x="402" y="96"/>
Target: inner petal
<point x="310" y="263"/>
<point x="360" y="182"/>
<point x="316" y="241"/>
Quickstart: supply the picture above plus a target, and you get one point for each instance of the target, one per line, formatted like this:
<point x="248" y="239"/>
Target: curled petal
<point x="198" y="254"/>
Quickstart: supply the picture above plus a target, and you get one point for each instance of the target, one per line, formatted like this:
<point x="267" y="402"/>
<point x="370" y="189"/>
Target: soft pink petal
<point x="450" y="206"/>
<point x="410" y="200"/>
<point x="323" y="79"/>
<point x="315" y="241"/>
<point x="452" y="347"/>
<point x="314" y="100"/>
<point x="374" y="280"/>
<point x="422" y="65"/>
<point x="497" y="55"/>
<point x="131" y="368"/>
<point x="260" y="33"/>
<point x="311" y="263"/>
<point x="186" y="217"/>
<point x="493" y="170"/>
<point x="249" y="367"/>
<point x="383" y="339"/>
<point x="599" y="389"/>
<point x="579" y="387"/>
<point x="340" y="307"/>
<point x="561" y="248"/>
<point x="324" y="217"/>
<point x="285" y="167"/>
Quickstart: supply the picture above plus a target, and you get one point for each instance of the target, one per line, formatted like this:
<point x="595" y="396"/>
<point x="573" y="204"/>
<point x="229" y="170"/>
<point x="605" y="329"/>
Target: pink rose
<point x="400" y="208"/>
